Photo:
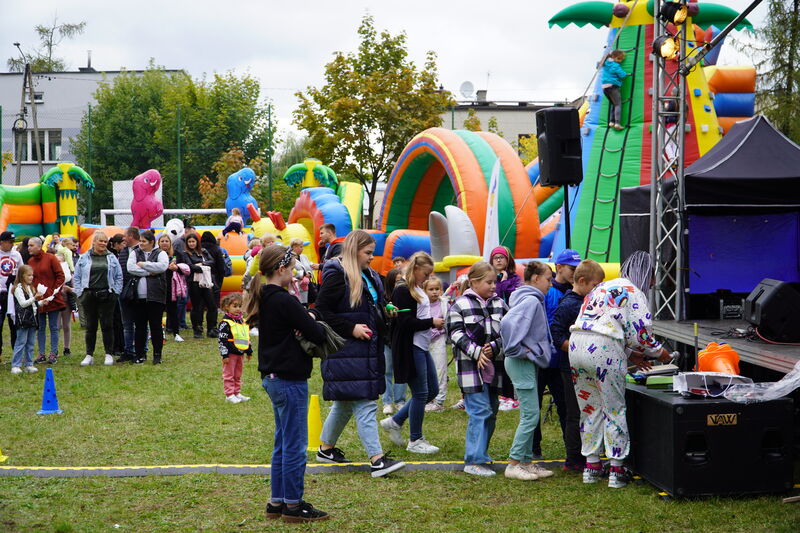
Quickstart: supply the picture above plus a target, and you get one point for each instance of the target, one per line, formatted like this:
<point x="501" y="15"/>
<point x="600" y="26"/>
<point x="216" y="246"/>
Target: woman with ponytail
<point x="351" y="301"/>
<point x="413" y="363"/>
<point x="285" y="368"/>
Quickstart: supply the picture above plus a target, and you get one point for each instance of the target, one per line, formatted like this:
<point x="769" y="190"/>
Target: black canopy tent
<point x="742" y="212"/>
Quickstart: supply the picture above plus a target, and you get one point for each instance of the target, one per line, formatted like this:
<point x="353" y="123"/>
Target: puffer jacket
<point x="356" y="372"/>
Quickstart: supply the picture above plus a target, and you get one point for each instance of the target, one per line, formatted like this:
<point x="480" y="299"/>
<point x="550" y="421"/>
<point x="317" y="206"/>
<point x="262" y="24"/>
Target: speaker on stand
<point x="772" y="309"/>
<point x="560" y="153"/>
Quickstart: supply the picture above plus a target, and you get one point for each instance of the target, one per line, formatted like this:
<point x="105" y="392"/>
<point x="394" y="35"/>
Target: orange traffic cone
<point x="718" y="358"/>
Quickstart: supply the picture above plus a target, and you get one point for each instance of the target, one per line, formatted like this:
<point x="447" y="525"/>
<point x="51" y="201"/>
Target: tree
<point x="42" y="59"/>
<point x="528" y="148"/>
<point x="134" y="126"/>
<point x="473" y="123"/>
<point x="778" y="94"/>
<point x="372" y="103"/>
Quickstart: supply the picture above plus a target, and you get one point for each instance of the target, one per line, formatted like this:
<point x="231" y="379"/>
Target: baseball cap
<point x="568" y="257"/>
<point x="7" y="236"/>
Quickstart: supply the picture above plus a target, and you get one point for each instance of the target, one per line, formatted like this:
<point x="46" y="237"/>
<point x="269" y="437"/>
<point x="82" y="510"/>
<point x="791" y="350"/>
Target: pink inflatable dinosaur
<point x="145" y="206"/>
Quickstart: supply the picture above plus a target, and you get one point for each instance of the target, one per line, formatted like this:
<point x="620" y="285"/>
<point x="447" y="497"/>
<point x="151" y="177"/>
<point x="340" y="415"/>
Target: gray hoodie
<point x="524" y="328"/>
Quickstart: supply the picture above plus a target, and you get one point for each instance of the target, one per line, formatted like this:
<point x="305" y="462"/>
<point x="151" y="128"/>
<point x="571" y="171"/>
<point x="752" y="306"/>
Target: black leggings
<point x="148" y="313"/>
<point x="99" y="306"/>
<point x="202" y="300"/>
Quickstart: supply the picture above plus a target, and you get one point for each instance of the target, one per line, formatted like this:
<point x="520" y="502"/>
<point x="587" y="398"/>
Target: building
<point x="515" y="119"/>
<point x="61" y="100"/>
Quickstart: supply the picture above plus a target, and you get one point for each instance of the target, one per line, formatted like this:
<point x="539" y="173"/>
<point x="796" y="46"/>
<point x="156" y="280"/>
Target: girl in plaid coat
<point x="473" y="325"/>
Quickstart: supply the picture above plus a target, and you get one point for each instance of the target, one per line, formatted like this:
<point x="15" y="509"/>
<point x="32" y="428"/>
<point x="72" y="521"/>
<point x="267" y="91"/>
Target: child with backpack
<point x="473" y="325"/>
<point x="528" y="346"/>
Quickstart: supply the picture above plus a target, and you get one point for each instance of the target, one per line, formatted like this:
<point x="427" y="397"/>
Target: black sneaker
<point x="198" y="335"/>
<point x="274" y="511"/>
<point x="40" y="360"/>
<point x="157" y="359"/>
<point x="125" y="359"/>
<point x="212" y="333"/>
<point x="305" y="512"/>
<point x="331" y="456"/>
<point x="66" y="353"/>
<point x="139" y="360"/>
<point x="385" y="465"/>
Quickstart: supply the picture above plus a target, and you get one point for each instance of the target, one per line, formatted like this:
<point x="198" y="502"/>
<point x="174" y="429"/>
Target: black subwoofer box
<point x="699" y="447"/>
<point x="772" y="308"/>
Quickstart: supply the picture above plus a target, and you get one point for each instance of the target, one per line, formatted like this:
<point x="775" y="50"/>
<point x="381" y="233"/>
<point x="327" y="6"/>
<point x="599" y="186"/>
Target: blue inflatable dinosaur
<point x="240" y="183"/>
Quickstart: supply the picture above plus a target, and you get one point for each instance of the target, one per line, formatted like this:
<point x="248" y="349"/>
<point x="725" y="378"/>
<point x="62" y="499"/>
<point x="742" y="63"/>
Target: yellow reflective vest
<point x="241" y="334"/>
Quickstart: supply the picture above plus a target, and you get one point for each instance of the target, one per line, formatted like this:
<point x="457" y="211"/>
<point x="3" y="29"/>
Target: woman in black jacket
<point x="148" y="263"/>
<point x="210" y="245"/>
<point x="351" y="301"/>
<point x="200" y="293"/>
<point x="413" y="363"/>
<point x="285" y="369"/>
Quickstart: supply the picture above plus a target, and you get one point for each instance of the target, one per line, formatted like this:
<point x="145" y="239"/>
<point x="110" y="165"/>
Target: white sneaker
<point x="233" y="399"/>
<point x="393" y="429"/>
<point x="16" y="370"/>
<point x="388" y="409"/>
<point x="88" y="360"/>
<point x="434" y="407"/>
<point x="31" y="369"/>
<point x="254" y="332"/>
<point x="242" y="397"/>
<point x="537" y="470"/>
<point x="421" y="446"/>
<point x="479" y="470"/>
<point x="178" y="338"/>
<point x="520" y="472"/>
<point x="109" y="360"/>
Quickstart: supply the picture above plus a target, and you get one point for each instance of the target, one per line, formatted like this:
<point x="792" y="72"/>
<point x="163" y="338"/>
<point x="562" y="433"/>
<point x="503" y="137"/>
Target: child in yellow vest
<point x="234" y="343"/>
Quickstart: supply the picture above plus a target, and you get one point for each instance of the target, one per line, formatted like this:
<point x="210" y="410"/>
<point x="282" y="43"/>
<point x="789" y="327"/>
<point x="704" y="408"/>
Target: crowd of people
<point x="511" y="337"/>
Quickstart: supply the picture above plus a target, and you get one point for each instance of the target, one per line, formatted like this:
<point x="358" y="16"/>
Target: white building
<point x="61" y="100"/>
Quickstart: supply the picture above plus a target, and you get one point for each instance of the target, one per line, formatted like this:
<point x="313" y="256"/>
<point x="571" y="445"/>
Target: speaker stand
<point x="565" y="218"/>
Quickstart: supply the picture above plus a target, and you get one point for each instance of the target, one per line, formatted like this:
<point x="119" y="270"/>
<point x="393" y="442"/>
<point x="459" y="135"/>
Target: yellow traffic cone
<point x="3" y="458"/>
<point x="314" y="423"/>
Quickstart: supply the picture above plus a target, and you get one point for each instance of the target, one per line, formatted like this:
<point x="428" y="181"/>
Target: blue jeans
<point x="182" y="302"/>
<point x="366" y="422"/>
<point x="424" y="387"/>
<point x="23" y="347"/>
<point x="523" y="374"/>
<point x="290" y="406"/>
<point x="53" y="317"/>
<point x="395" y="392"/>
<point x="127" y="309"/>
<point x="481" y="410"/>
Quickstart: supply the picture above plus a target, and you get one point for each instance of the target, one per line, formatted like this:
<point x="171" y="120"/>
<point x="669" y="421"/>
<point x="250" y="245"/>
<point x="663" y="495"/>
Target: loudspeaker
<point x="772" y="308"/>
<point x="559" y="140"/>
<point x="710" y="446"/>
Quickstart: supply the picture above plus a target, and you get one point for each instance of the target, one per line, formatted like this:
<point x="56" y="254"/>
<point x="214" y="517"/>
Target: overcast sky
<point x="504" y="47"/>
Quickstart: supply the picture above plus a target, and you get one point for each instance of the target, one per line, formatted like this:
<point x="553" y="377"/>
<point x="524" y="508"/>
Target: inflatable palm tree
<point x="311" y="173"/>
<point x="65" y="177"/>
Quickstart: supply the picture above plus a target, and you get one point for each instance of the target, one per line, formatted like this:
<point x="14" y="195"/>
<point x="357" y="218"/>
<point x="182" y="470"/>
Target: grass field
<point x="175" y="414"/>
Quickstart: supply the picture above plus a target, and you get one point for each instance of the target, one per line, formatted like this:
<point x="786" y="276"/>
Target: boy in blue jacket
<point x="588" y="274"/>
<point x="611" y="81"/>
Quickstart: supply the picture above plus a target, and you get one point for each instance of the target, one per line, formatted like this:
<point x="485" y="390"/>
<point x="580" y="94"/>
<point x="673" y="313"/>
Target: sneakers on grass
<point x="232" y="399"/>
<point x="385" y="465"/>
<point x="518" y="471"/>
<point x="421" y="446"/>
<point x="242" y="397"/>
<point x="434" y="407"/>
<point x="41" y="359"/>
<point x="178" y="338"/>
<point x="109" y="360"/>
<point x="393" y="429"/>
<point x="538" y="471"/>
<point x="305" y="512"/>
<point x="31" y="369"/>
<point x="88" y="360"/>
<point x="479" y="470"/>
<point x="16" y="370"/>
<point x="459" y="405"/>
<point x="331" y="456"/>
<point x="592" y="472"/>
<point x="617" y="477"/>
<point x="388" y="409"/>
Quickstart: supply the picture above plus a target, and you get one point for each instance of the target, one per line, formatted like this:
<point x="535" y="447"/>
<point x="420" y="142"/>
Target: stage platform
<point x="777" y="357"/>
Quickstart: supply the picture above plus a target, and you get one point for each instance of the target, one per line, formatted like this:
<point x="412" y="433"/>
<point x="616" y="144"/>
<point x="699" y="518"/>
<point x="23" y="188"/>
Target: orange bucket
<point x="718" y="358"/>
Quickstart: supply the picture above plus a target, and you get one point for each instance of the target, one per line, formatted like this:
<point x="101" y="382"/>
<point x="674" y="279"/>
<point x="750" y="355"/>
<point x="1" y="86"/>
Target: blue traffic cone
<point x="49" y="398"/>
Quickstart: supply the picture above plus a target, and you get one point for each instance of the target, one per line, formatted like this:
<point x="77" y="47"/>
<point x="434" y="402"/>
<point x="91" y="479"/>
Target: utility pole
<point x="269" y="161"/>
<point x="38" y="144"/>
<point x="178" y="140"/>
<point x="21" y="131"/>
<point x="89" y="165"/>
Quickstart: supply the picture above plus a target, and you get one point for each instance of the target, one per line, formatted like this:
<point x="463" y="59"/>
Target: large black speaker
<point x="559" y="139"/>
<point x="711" y="446"/>
<point x="772" y="308"/>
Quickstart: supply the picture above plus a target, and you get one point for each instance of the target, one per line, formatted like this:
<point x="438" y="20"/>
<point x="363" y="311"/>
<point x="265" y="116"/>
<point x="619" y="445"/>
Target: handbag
<point x="130" y="289"/>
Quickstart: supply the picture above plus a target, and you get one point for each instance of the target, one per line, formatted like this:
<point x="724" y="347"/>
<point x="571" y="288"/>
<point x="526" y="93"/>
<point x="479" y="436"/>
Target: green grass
<point x="175" y="414"/>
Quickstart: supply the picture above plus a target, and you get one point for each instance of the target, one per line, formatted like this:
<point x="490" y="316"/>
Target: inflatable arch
<point x="441" y="167"/>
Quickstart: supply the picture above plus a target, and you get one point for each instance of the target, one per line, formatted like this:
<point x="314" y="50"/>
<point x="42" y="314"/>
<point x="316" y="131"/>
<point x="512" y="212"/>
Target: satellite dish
<point x="467" y="90"/>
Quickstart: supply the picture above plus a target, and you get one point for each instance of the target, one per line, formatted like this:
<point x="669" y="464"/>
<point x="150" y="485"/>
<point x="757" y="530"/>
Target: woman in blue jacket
<point x="98" y="283"/>
<point x="351" y="301"/>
